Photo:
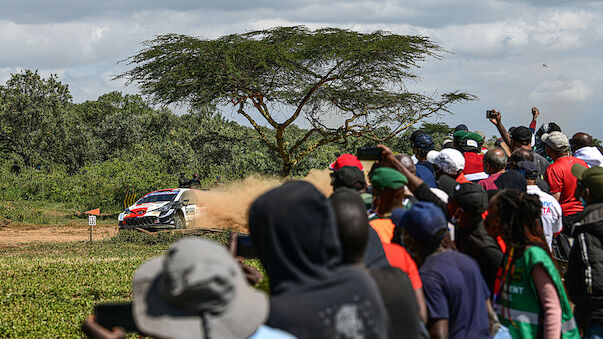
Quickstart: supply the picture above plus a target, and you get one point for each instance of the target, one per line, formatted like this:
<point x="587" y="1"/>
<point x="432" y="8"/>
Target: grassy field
<point x="46" y="290"/>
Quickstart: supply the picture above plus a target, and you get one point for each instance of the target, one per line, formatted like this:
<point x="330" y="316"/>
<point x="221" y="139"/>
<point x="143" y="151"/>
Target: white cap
<point x="450" y="161"/>
<point x="432" y="155"/>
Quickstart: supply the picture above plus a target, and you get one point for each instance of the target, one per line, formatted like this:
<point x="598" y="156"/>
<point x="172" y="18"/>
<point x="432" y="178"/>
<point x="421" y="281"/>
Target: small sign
<point x="92" y="220"/>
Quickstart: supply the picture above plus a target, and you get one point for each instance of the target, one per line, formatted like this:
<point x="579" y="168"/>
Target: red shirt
<point x="474" y="163"/>
<point x="559" y="177"/>
<point x="398" y="257"/>
<point x="488" y="183"/>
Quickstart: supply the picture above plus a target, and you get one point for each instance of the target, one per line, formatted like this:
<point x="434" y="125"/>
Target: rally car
<point x="166" y="208"/>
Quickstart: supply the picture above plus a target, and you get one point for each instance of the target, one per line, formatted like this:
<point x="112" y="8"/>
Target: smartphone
<point x="245" y="247"/>
<point x="111" y="315"/>
<point x="491" y="114"/>
<point x="369" y="153"/>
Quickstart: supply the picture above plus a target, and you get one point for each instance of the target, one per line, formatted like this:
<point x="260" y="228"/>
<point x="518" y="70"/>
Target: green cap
<point x="473" y="136"/>
<point x="385" y="177"/>
<point x="458" y="135"/>
<point x="591" y="178"/>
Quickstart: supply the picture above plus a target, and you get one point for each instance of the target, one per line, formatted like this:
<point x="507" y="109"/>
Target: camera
<point x="369" y="153"/>
<point x="491" y="114"/>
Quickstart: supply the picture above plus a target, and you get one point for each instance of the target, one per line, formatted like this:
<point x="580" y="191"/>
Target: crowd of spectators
<point x="462" y="242"/>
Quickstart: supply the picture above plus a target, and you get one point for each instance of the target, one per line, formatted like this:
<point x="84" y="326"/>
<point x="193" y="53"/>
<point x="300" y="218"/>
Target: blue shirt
<point x="425" y="172"/>
<point x="455" y="290"/>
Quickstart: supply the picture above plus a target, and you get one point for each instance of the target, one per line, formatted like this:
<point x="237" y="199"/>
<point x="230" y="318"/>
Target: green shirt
<point x="518" y="304"/>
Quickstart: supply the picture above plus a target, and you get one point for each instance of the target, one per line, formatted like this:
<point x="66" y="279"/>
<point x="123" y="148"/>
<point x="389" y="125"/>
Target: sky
<point x="511" y="54"/>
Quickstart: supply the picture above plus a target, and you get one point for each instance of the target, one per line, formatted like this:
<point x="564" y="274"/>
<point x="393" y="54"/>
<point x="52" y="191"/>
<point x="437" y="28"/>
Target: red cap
<point x="346" y="160"/>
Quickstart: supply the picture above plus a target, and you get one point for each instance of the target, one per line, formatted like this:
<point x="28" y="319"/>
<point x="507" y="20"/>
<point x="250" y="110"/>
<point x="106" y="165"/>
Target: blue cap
<point x="397" y="215"/>
<point x="424" y="221"/>
<point x="423" y="141"/>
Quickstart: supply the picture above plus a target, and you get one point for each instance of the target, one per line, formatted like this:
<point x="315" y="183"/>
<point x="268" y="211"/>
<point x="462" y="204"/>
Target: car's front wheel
<point x="179" y="221"/>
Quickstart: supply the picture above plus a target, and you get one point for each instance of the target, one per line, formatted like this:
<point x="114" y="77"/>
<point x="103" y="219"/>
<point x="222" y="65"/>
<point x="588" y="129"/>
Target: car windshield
<point x="156" y="197"/>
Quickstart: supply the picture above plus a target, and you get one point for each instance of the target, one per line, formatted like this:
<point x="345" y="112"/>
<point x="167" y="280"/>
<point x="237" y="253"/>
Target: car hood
<point x="147" y="207"/>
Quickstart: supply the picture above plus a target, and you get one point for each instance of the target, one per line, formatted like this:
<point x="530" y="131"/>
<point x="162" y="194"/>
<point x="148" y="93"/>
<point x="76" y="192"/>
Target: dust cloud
<point x="227" y="206"/>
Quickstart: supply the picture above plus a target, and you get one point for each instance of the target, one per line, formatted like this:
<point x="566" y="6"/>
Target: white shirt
<point x="551" y="218"/>
<point x="590" y="155"/>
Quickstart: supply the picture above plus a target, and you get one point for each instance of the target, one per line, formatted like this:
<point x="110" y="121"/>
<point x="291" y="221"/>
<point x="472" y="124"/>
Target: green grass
<point x="47" y="290"/>
<point x="36" y="212"/>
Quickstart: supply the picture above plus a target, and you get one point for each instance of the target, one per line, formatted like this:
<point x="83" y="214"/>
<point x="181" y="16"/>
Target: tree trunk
<point x="286" y="171"/>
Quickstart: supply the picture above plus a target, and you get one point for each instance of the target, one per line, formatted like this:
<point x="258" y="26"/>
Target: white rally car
<point x="167" y="208"/>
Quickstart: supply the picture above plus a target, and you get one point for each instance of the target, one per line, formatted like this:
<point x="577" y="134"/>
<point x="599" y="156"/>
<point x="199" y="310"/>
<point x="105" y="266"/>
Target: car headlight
<point x="165" y="208"/>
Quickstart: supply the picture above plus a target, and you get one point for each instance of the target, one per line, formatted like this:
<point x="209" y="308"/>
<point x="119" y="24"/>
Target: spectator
<point x="412" y="138"/>
<point x="474" y="159"/>
<point x="447" y="143"/>
<point x="313" y="295"/>
<point x="345" y="159"/>
<point x="394" y="285"/>
<point x="551" y="214"/>
<point x="455" y="292"/>
<point x="584" y="277"/>
<point x="466" y="207"/>
<point x="197" y="290"/>
<point x="457" y="136"/>
<point x="582" y="146"/>
<point x="560" y="179"/>
<point x="388" y="190"/>
<point x="182" y="182"/>
<point x="495" y="163"/>
<point x="522" y="154"/>
<point x="420" y="147"/>
<point x="546" y="128"/>
<point x="451" y="162"/>
<point x="522" y="138"/>
<point x="519" y="137"/>
<point x="482" y="149"/>
<point x="530" y="295"/>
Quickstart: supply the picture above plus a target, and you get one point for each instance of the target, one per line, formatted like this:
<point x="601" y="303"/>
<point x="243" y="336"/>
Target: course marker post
<point x="92" y="219"/>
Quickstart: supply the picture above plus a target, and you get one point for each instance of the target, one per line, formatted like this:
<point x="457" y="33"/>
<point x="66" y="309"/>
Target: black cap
<point x="471" y="197"/>
<point x="528" y="169"/>
<point x="511" y="179"/>
<point x="349" y="176"/>
<point x="423" y="141"/>
<point x="469" y="145"/>
<point x="461" y="127"/>
<point x="522" y="135"/>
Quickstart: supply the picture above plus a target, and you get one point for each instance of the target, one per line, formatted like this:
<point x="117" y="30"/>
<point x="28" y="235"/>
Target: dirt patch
<point x="15" y="234"/>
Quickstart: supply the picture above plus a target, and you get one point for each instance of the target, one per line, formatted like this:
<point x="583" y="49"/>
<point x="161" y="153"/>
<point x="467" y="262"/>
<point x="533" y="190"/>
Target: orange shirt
<point x="384" y="229"/>
<point x="399" y="257"/>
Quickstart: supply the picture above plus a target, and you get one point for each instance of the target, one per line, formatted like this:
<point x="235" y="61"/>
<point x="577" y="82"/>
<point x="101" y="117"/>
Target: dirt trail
<point x="16" y="234"/>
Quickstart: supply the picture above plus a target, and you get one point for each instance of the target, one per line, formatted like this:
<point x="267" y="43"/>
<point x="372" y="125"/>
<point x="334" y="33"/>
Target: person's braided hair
<point x="520" y="215"/>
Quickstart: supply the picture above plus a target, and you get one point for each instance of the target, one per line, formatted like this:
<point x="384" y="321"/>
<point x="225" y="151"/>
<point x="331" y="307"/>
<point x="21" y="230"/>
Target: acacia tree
<point x="343" y="83"/>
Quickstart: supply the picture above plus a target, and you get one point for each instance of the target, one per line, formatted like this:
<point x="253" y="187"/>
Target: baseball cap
<point x="511" y="179"/>
<point x="423" y="141"/>
<point x="450" y="161"/>
<point x="448" y="143"/>
<point x="591" y="178"/>
<point x="458" y="135"/>
<point x="432" y="155"/>
<point x="424" y="221"/>
<point x="528" y="169"/>
<point x="195" y="289"/>
<point x="345" y="159"/>
<point x="522" y="135"/>
<point x="471" y="198"/>
<point x="349" y="176"/>
<point x="461" y="127"/>
<point x="555" y="140"/>
<point x="469" y="145"/>
<point x="473" y="136"/>
<point x="386" y="177"/>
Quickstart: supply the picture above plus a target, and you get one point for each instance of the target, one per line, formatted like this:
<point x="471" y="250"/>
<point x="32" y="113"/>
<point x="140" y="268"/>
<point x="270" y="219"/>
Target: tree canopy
<point x="340" y="81"/>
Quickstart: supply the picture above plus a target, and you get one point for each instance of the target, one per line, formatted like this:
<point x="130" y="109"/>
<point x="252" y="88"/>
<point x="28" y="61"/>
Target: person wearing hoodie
<point x="313" y="294"/>
<point x="582" y="146"/>
<point x="398" y="294"/>
<point x="584" y="277"/>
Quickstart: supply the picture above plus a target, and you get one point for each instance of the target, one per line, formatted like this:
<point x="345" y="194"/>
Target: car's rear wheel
<point x="179" y="221"/>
